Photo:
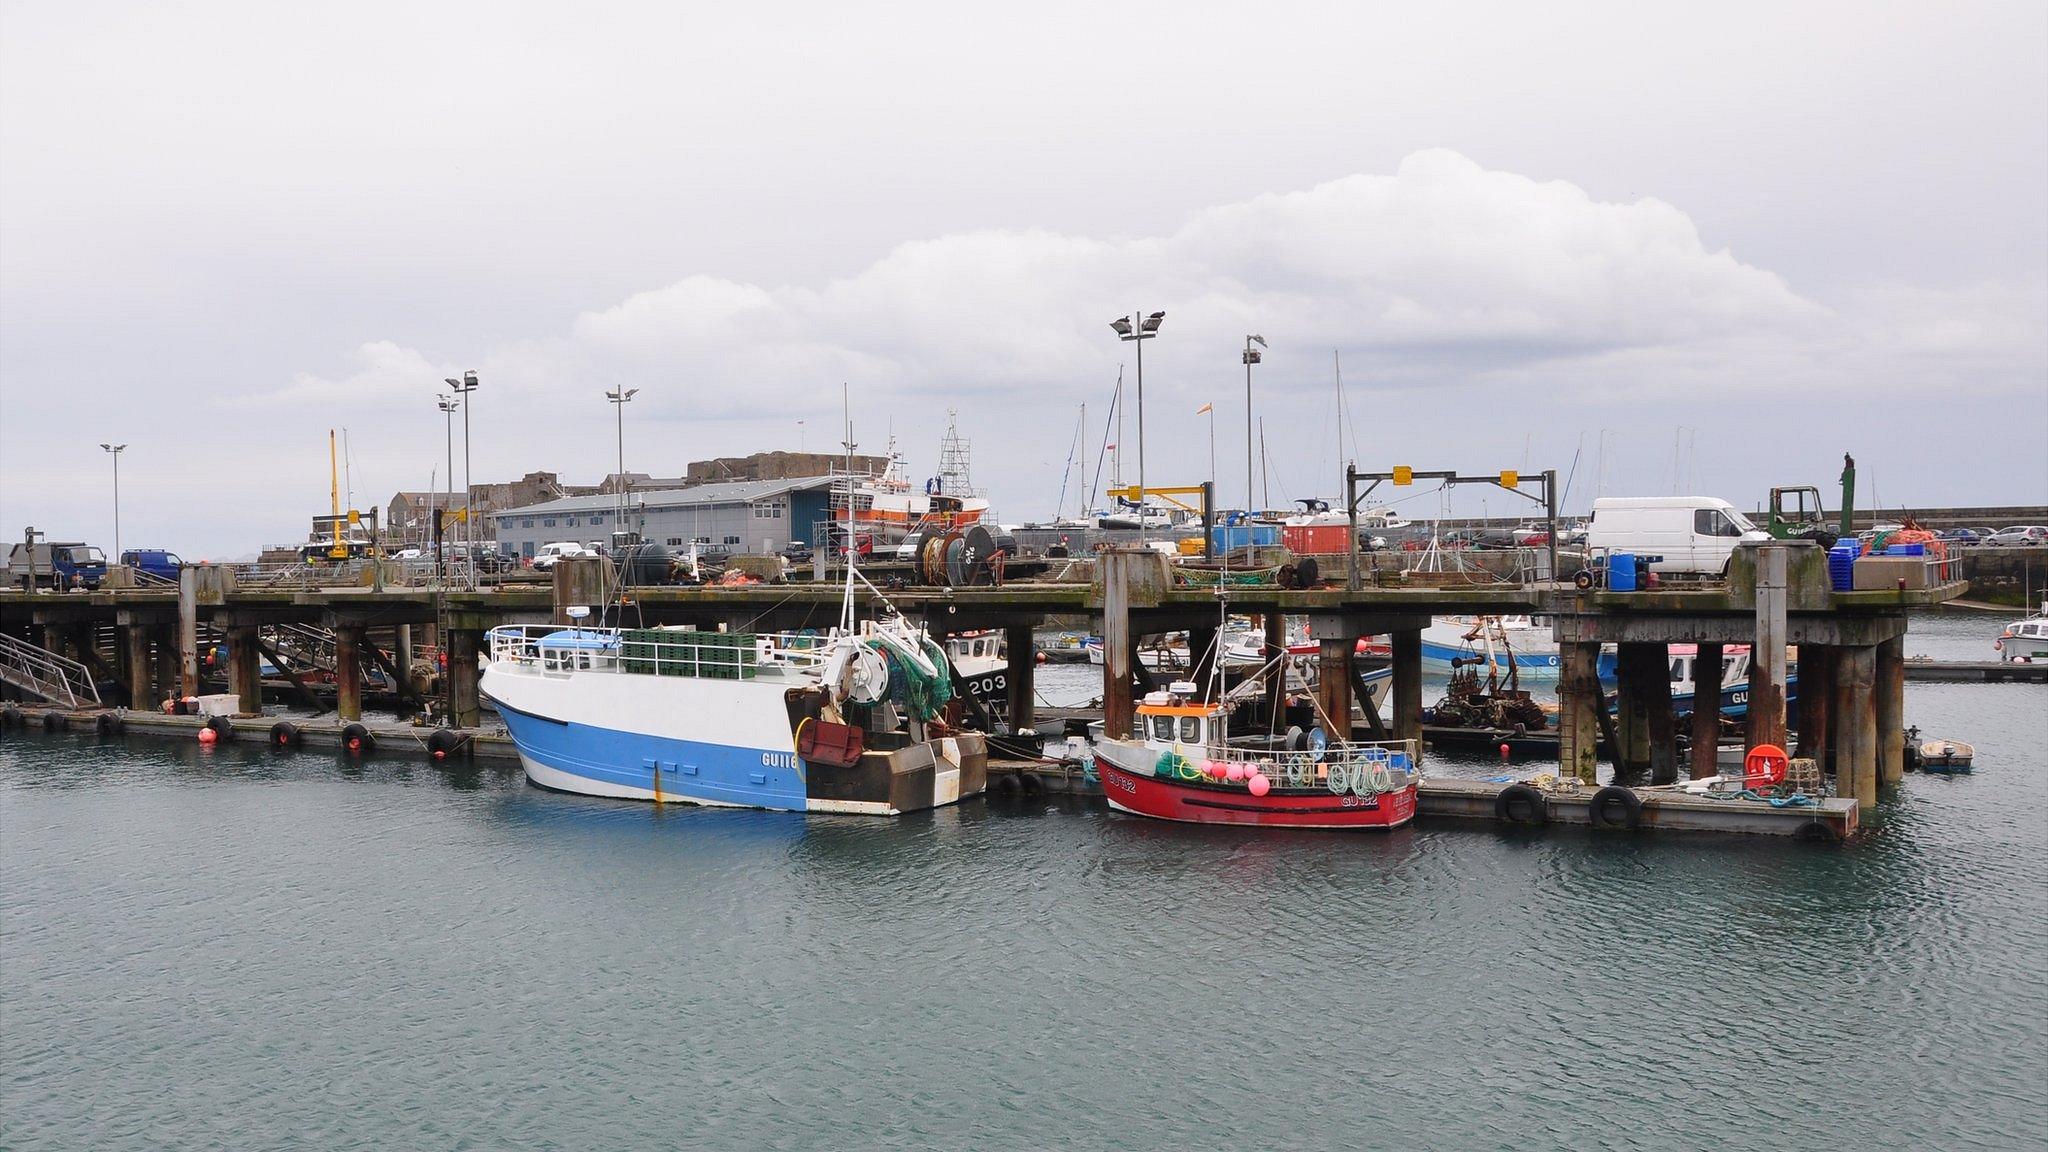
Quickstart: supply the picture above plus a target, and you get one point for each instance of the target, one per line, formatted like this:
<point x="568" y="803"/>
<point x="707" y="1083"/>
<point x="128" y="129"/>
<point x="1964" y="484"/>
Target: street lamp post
<point x="619" y="397"/>
<point x="1251" y="357"/>
<point x="448" y="405"/>
<point x="115" y="451"/>
<point x="465" y="386"/>
<point x="1139" y="327"/>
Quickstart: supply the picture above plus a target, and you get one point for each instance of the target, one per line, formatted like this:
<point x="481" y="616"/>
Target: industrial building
<point x="749" y="516"/>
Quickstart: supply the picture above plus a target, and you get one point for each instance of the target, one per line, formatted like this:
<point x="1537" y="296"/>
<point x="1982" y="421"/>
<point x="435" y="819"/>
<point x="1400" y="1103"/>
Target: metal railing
<point x="1358" y="767"/>
<point x="55" y="678"/>
<point x="666" y="652"/>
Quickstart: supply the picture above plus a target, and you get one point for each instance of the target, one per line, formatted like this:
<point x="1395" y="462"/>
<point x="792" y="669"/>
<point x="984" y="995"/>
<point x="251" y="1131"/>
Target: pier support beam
<point x="188" y="633"/>
<point x="1816" y="702"/>
<point x="1767" y="655"/>
<point x="1706" y="711"/>
<point x="169" y="664"/>
<point x="1890" y="689"/>
<point x="465" y="706"/>
<point x="1333" y="683"/>
<point x="245" y="670"/>
<point x="1119" y="645"/>
<point x="1856" y="713"/>
<point x="1578" y="716"/>
<point x="348" y="672"/>
<point x="139" y="670"/>
<point x="1407" y="645"/>
<point x="1641" y="670"/>
<point x="1202" y="656"/>
<point x="1276" y="645"/>
<point x="1021" y="675"/>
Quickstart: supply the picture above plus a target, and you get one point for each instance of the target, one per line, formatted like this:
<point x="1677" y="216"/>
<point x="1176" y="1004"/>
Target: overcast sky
<point x="1763" y="234"/>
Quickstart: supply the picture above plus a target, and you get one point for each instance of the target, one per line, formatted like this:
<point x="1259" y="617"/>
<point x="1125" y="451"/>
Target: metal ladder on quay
<point x="41" y="672"/>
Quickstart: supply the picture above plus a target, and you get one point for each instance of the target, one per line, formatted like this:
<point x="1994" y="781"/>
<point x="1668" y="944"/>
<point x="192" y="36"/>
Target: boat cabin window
<point x="1681" y="668"/>
<point x="1191" y="729"/>
<point x="1162" y="728"/>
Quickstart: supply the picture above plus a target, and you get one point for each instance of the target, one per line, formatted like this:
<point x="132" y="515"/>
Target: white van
<point x="549" y="553"/>
<point x="1691" y="534"/>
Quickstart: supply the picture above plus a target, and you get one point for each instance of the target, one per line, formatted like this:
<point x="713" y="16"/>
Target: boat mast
<point x="852" y="550"/>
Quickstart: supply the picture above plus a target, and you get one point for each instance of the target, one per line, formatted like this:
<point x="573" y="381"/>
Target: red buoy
<point x="1503" y="751"/>
<point x="208" y="736"/>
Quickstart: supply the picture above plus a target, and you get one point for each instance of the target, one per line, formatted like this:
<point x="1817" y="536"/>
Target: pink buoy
<point x="1503" y="751"/>
<point x="208" y="736"/>
<point x="1234" y="773"/>
<point x="1260" y="785"/>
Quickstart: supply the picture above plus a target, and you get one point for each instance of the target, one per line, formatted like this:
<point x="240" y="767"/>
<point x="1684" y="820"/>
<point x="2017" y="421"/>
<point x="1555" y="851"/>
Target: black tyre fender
<point x="1005" y="784"/>
<point x="285" y="734"/>
<point x="356" y="740"/>
<point x="10" y="717"/>
<point x="1615" y="808"/>
<point x="446" y="742"/>
<point x="1031" y="783"/>
<point x="1818" y="832"/>
<point x="1521" y="804"/>
<point x="53" y="722"/>
<point x="223" y="728"/>
<point x="109" y="724"/>
<point x="1583" y="580"/>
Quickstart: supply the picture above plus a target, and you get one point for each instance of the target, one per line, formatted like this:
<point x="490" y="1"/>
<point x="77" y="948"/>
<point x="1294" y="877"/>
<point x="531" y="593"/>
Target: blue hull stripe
<point x="690" y="769"/>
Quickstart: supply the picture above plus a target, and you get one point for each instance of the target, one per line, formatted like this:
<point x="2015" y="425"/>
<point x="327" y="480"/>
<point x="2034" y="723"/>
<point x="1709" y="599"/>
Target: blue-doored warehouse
<point x="745" y="516"/>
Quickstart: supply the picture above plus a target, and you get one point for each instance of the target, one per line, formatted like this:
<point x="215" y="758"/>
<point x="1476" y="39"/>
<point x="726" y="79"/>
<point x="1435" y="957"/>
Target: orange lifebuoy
<point x="1765" y="766"/>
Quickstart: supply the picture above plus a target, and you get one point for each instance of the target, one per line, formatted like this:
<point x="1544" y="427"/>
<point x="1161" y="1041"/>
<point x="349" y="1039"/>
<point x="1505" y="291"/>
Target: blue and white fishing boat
<point x="1451" y="642"/>
<point x="843" y="722"/>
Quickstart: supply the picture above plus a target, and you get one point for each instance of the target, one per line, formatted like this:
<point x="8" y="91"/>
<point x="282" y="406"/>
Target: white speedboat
<point x="2025" y="641"/>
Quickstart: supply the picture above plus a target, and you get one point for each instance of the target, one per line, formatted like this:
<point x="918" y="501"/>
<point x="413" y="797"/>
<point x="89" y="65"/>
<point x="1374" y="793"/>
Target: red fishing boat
<point x="1179" y="764"/>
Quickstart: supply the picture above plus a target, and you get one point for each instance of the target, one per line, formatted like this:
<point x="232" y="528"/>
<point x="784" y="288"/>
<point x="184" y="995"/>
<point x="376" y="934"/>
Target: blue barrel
<point x="1621" y="572"/>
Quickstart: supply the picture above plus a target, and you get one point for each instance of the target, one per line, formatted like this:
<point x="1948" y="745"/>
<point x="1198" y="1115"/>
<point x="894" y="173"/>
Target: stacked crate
<point x="726" y="655"/>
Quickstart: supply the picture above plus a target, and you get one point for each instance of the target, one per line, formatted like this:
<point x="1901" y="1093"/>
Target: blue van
<point x="154" y="561"/>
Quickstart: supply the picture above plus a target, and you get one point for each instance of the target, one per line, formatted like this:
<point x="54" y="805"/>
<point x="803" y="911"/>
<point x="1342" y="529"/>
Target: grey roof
<point x="736" y="492"/>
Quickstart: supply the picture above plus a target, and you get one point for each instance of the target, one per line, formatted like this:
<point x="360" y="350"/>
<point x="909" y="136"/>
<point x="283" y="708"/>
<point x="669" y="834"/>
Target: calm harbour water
<point x="246" y="949"/>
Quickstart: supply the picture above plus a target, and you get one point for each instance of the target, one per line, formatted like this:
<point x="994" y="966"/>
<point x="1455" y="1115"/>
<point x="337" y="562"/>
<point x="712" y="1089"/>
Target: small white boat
<point x="2025" y="641"/>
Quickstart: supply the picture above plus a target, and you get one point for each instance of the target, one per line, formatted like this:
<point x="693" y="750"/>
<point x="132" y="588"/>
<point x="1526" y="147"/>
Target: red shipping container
<point x="1315" y="539"/>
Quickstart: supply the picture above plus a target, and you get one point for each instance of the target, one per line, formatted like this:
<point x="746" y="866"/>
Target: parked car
<point x="408" y="554"/>
<point x="1959" y="535"/>
<point x="544" y="559"/>
<point x="2018" y="536"/>
<point x="798" y="552"/>
<point x="1688" y="534"/>
<point x="153" y="561"/>
<point x="58" y="565"/>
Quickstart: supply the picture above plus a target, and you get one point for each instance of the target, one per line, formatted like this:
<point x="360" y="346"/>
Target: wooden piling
<point x="1276" y="645"/>
<point x="1021" y="675"/>
<point x="1407" y="645"/>
<point x="1579" y="707"/>
<point x="1816" y="702"/>
<point x="1767" y="655"/>
<point x="140" y="680"/>
<point x="1118" y="642"/>
<point x="188" y="632"/>
<point x="1706" y="710"/>
<point x="1890" y="691"/>
<point x="245" y="669"/>
<point x="1856" y="711"/>
<point x="1333" y="684"/>
<point x="465" y="704"/>
<point x="348" y="672"/>
<point x="1639" y="669"/>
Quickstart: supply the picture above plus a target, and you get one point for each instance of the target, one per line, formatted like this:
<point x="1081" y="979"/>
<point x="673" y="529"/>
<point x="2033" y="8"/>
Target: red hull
<point x="1196" y="803"/>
